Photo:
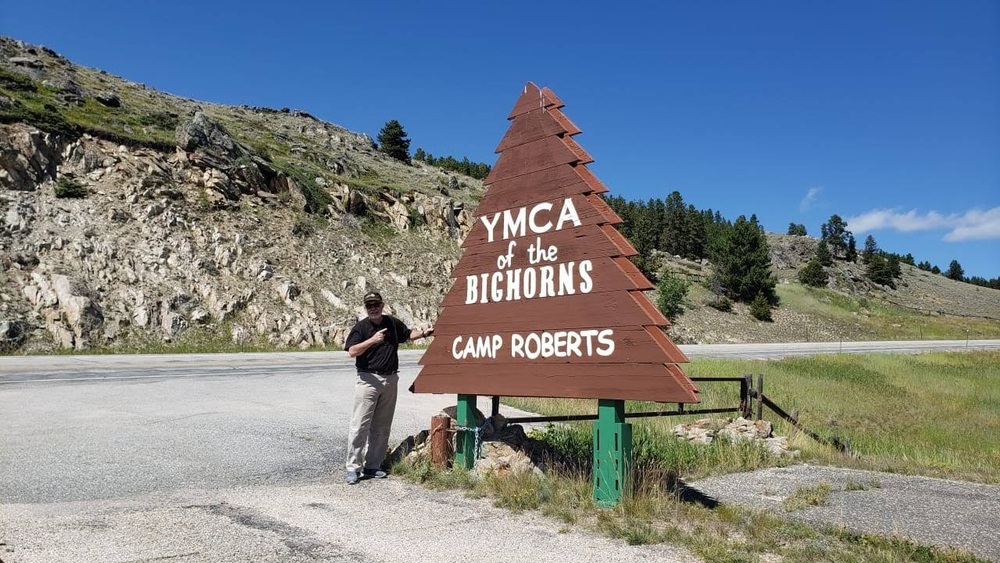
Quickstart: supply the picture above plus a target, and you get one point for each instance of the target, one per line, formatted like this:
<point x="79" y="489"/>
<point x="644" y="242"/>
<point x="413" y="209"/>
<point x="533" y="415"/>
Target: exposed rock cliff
<point x="267" y="224"/>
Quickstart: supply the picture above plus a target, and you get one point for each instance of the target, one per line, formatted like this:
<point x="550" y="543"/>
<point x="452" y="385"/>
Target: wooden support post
<point x="760" y="396"/>
<point x="440" y="440"/>
<point x="465" y="440"/>
<point x="494" y="405"/>
<point x="612" y="452"/>
<point x="745" y="385"/>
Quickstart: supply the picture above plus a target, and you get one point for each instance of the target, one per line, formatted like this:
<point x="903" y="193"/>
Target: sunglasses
<point x="372" y="305"/>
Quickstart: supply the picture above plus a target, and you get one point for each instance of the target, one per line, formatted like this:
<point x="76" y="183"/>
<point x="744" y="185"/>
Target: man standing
<point x="374" y="342"/>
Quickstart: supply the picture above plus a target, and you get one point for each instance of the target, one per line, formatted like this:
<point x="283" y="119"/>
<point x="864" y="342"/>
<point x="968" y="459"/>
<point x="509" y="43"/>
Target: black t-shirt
<point x="383" y="356"/>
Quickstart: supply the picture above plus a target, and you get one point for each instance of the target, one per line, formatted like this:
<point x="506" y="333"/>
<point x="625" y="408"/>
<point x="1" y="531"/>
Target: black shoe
<point x="375" y="474"/>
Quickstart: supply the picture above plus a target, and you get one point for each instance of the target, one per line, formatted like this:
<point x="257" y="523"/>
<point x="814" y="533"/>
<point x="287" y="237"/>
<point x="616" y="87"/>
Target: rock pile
<point x="704" y="430"/>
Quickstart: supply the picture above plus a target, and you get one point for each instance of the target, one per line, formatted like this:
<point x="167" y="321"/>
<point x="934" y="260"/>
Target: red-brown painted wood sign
<point x="545" y="302"/>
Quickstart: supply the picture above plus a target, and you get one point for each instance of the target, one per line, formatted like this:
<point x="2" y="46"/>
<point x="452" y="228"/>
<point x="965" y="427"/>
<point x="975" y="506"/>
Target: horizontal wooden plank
<point x="583" y="156"/>
<point x="545" y="185"/>
<point x="576" y="244"/>
<point x="521" y="350"/>
<point x="551" y="97"/>
<point x="583" y="207"/>
<point x="582" y="311"/>
<point x="598" y="275"/>
<point x="625" y="247"/>
<point x="639" y="382"/>
<point x="604" y="209"/>
<point x="544" y="153"/>
<point x="564" y="122"/>
<point x="530" y="126"/>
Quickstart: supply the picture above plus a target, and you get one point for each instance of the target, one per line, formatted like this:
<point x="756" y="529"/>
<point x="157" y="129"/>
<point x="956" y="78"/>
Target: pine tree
<point x="955" y="271"/>
<point x="760" y="308"/>
<point x="852" y="248"/>
<point x="419" y="154"/>
<point x="823" y="254"/>
<point x="813" y="274"/>
<point x="880" y="271"/>
<point x="835" y="233"/>
<point x="871" y="248"/>
<point x="393" y="142"/>
<point x="743" y="262"/>
<point x="797" y="229"/>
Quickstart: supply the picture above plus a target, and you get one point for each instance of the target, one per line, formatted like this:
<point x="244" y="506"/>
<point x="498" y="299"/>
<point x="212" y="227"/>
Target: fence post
<point x="745" y="396"/>
<point x="440" y="440"/>
<point x="760" y="396"/>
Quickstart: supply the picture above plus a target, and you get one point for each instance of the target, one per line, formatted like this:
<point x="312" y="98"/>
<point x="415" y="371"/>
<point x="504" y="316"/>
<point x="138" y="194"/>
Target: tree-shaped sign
<point x="545" y="302"/>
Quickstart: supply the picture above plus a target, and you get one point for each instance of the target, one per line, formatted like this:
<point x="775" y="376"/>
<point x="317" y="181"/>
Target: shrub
<point x="671" y="291"/>
<point x="69" y="188"/>
<point x="813" y="274"/>
<point x="722" y="303"/>
<point x="760" y="308"/>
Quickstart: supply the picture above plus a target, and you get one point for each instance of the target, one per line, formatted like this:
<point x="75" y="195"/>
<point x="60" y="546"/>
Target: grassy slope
<point x="928" y="414"/>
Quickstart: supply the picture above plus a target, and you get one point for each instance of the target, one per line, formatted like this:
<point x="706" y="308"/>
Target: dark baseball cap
<point x="372" y="297"/>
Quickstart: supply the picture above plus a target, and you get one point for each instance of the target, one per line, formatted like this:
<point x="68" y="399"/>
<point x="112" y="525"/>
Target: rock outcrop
<point x="172" y="218"/>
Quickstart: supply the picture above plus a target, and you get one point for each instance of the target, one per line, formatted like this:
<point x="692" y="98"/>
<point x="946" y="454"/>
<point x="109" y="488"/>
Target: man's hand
<point x="379" y="336"/>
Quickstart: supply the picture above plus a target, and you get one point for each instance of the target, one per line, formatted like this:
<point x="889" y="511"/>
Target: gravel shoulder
<point x="377" y="520"/>
<point x="928" y="511"/>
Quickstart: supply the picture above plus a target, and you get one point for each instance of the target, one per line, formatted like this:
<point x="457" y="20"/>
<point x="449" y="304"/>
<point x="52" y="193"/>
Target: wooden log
<point x="441" y="436"/>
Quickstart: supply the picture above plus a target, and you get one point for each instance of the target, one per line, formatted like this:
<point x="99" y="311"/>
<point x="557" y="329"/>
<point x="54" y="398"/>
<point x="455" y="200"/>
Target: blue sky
<point x="885" y="113"/>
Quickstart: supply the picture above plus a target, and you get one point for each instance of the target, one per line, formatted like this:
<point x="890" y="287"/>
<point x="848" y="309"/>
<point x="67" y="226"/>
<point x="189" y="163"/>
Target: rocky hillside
<point x="126" y="211"/>
<point x="127" y="214"/>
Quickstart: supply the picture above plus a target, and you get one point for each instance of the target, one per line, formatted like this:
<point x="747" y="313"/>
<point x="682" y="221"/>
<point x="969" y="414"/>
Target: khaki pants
<point x="374" y="407"/>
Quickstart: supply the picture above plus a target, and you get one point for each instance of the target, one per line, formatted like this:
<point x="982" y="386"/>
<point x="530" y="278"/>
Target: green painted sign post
<point x="612" y="452"/>
<point x="465" y="440"/>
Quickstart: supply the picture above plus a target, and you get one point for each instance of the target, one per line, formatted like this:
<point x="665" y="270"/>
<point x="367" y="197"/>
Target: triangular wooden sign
<point x="545" y="302"/>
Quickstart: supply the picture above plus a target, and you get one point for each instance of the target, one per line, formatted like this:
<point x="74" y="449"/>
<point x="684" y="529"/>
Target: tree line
<point x="392" y="140"/>
<point x="881" y="266"/>
<point x="738" y="250"/>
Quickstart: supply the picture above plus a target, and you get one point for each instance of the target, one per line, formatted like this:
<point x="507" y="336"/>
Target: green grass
<point x="882" y="320"/>
<point x="929" y="414"/>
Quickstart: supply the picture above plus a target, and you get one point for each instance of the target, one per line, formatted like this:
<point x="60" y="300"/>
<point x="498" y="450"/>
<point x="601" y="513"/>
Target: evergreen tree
<point x="697" y="233"/>
<point x="743" y="262"/>
<point x="760" y="308"/>
<point x="852" y="248"/>
<point x="879" y="270"/>
<point x="835" y="233"/>
<point x="955" y="271"/>
<point x="393" y="142"/>
<point x="935" y="270"/>
<point x="419" y="154"/>
<point x="797" y="229"/>
<point x="924" y="265"/>
<point x="674" y="220"/>
<point x="813" y="274"/>
<point x="823" y="254"/>
<point x="871" y="248"/>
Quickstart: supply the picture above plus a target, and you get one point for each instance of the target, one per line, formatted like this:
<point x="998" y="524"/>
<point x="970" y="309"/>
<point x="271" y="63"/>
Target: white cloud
<point x="974" y="224"/>
<point x="811" y="196"/>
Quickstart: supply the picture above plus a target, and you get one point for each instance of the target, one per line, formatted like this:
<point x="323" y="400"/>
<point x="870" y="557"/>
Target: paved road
<point x="932" y="511"/>
<point x="238" y="457"/>
<point x="226" y="459"/>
